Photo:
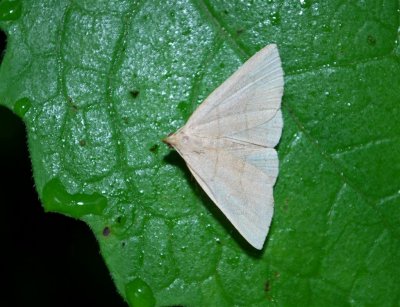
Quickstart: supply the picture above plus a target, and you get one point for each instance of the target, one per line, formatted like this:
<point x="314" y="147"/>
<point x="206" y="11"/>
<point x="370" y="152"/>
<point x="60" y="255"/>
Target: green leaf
<point x="100" y="83"/>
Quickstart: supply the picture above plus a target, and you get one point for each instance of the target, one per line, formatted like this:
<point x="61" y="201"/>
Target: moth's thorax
<point x="185" y="139"/>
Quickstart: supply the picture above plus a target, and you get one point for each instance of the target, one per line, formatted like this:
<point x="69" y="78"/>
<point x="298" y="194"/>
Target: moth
<point x="228" y="144"/>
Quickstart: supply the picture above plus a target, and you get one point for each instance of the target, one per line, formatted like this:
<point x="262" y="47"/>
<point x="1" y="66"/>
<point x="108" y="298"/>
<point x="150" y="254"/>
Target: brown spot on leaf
<point x="72" y="105"/>
<point x="371" y="40"/>
<point x="267" y="286"/>
<point x="106" y="231"/>
<point x="134" y="93"/>
<point x="239" y="31"/>
<point x="154" y="148"/>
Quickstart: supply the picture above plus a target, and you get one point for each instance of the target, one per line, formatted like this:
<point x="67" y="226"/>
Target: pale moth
<point x="228" y="144"/>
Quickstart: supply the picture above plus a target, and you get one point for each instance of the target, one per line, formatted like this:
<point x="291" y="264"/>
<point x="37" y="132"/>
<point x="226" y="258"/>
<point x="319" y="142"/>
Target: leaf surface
<point x="100" y="83"/>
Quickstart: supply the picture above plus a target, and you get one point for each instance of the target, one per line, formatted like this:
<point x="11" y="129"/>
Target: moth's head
<point x="170" y="140"/>
<point x="175" y="139"/>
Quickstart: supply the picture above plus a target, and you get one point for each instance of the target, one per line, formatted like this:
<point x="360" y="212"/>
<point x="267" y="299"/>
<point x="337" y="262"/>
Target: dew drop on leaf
<point x="56" y="198"/>
<point x="10" y="10"/>
<point x="22" y="106"/>
<point x="138" y="293"/>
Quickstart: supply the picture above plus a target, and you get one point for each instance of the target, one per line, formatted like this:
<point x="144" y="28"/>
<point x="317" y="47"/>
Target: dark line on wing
<point x="238" y="141"/>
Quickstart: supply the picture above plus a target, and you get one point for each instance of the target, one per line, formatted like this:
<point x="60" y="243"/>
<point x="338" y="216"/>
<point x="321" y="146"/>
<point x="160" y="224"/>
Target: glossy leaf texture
<point x="100" y="83"/>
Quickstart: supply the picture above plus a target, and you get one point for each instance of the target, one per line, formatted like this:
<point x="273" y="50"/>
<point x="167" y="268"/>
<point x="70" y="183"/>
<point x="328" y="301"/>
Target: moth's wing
<point x="240" y="184"/>
<point x="239" y="121"/>
<point x="267" y="134"/>
<point x="249" y="98"/>
<point x="263" y="158"/>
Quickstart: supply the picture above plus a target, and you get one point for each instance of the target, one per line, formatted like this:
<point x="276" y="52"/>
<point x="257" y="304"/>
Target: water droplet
<point x="22" y="106"/>
<point x="10" y="10"/>
<point x="139" y="293"/>
<point x="57" y="199"/>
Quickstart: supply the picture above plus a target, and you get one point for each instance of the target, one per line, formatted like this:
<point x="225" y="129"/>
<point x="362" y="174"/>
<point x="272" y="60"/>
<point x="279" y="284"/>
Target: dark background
<point x="46" y="259"/>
